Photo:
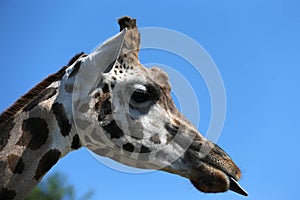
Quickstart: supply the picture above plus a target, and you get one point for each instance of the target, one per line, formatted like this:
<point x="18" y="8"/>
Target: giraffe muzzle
<point x="213" y="170"/>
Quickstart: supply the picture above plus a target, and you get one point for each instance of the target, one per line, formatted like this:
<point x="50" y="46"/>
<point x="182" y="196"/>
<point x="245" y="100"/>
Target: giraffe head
<point x="124" y="111"/>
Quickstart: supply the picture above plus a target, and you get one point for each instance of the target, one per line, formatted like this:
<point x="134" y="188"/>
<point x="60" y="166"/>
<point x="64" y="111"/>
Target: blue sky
<point x="255" y="44"/>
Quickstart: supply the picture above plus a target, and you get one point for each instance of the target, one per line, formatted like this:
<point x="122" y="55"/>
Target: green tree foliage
<point x="55" y="188"/>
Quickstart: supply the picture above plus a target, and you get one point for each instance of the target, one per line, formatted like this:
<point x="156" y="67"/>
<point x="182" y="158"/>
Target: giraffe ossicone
<point x="110" y="103"/>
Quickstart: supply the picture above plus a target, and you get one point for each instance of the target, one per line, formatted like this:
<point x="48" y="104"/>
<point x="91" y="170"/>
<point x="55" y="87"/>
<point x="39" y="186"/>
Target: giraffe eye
<point x="140" y="96"/>
<point x="143" y="94"/>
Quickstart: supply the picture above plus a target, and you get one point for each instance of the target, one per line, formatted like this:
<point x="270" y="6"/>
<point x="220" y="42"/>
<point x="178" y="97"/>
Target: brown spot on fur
<point x="76" y="142"/>
<point x="173" y="130"/>
<point x="103" y="104"/>
<point x="15" y="164"/>
<point x="48" y="160"/>
<point x="7" y="194"/>
<point x="61" y="118"/>
<point x="105" y="88"/>
<point x="128" y="147"/>
<point x="144" y="149"/>
<point x="113" y="130"/>
<point x="155" y="139"/>
<point x="104" y="97"/>
<point x="104" y="110"/>
<point x="144" y="153"/>
<point x="5" y="129"/>
<point x="97" y="95"/>
<point x="35" y="133"/>
<point x="44" y="95"/>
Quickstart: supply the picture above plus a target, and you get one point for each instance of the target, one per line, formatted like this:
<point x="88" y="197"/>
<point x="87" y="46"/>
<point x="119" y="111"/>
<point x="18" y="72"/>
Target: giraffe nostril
<point x="218" y="150"/>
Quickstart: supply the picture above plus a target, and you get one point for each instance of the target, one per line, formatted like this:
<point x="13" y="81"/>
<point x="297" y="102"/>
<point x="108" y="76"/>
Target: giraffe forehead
<point x="161" y="77"/>
<point x="137" y="72"/>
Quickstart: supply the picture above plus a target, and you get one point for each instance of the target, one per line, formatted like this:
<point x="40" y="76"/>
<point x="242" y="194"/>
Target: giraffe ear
<point x="124" y="44"/>
<point x="101" y="59"/>
<point x="96" y="63"/>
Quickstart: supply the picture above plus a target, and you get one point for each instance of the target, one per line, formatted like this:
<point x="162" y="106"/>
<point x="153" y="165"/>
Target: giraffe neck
<point x="35" y="133"/>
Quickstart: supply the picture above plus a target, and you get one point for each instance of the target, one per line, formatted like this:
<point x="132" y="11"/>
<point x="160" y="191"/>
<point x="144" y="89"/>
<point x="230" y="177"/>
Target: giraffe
<point x="108" y="102"/>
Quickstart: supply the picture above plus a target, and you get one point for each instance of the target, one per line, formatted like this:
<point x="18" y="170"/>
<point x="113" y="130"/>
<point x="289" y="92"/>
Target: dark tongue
<point x="234" y="186"/>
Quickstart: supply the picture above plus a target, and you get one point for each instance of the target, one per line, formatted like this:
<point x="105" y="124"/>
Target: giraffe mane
<point x="10" y="112"/>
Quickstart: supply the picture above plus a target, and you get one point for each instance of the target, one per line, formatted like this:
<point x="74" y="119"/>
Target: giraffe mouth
<point x="218" y="181"/>
<point x="214" y="172"/>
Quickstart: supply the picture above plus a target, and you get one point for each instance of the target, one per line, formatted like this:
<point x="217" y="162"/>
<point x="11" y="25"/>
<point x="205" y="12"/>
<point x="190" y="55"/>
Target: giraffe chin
<point x="214" y="182"/>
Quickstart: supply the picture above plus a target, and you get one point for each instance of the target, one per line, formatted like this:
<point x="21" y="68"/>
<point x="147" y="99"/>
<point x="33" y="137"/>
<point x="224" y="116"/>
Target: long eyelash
<point x="141" y="91"/>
